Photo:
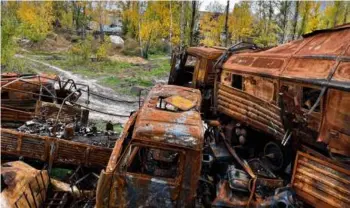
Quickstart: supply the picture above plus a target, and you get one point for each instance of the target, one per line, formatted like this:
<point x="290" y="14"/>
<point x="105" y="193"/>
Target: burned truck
<point x="291" y="104"/>
<point x="167" y="157"/>
<point x="300" y="88"/>
<point x="157" y="160"/>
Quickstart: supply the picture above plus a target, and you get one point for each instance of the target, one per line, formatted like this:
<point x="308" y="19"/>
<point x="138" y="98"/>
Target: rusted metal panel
<point x="52" y="149"/>
<point x="9" y="114"/>
<point x="251" y="110"/>
<point x="321" y="183"/>
<point x="31" y="84"/>
<point x="343" y="72"/>
<point x="327" y="43"/>
<point x="24" y="186"/>
<point x="205" y="52"/>
<point x="255" y="63"/>
<point x="159" y="122"/>
<point x="335" y="129"/>
<point x="308" y="68"/>
<point x="260" y="87"/>
<point x="310" y="59"/>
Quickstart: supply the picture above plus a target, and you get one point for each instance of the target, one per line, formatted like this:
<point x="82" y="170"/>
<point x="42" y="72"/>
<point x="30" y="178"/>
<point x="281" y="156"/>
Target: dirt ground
<point x="128" y="59"/>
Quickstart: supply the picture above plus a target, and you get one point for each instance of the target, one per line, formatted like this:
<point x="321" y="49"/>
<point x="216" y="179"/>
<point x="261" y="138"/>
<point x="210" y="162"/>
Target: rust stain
<point x="321" y="183"/>
<point x="66" y="152"/>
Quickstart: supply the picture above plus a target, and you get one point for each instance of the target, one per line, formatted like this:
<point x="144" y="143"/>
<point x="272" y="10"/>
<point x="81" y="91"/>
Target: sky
<point x="205" y="3"/>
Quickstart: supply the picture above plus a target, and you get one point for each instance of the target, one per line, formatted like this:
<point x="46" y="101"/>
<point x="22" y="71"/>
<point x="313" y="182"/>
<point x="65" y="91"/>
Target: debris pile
<point x="71" y="131"/>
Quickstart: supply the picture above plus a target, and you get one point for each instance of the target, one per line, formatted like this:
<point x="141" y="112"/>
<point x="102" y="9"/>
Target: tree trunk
<point x="226" y="22"/>
<point x="193" y="21"/>
<point x="102" y="33"/>
<point x="145" y="53"/>
<point x="295" y="19"/>
<point x="139" y="27"/>
<point x="83" y="32"/>
<point x="346" y="12"/>
<point x="182" y="25"/>
<point x="337" y="5"/>
<point x="285" y="6"/>
<point x="270" y="17"/>
<point x="171" y="28"/>
<point x="75" y="15"/>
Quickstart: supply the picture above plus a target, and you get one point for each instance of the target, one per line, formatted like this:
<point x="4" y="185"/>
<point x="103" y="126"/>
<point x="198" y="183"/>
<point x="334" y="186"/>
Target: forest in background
<point x="165" y="26"/>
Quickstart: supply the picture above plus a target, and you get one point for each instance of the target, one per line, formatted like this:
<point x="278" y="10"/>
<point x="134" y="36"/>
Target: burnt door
<point x="150" y="177"/>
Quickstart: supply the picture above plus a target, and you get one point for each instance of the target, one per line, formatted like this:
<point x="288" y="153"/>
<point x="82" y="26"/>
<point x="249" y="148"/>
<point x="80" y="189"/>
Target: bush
<point x="159" y="47"/>
<point x="83" y="48"/>
<point x="101" y="53"/>
<point x="8" y="45"/>
<point x="131" y="48"/>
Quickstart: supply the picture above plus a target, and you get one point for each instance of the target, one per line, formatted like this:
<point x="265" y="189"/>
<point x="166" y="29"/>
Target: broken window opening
<point x="161" y="104"/>
<point x="309" y="98"/>
<point x="191" y="61"/>
<point x="5" y="95"/>
<point x="154" y="162"/>
<point x="237" y="81"/>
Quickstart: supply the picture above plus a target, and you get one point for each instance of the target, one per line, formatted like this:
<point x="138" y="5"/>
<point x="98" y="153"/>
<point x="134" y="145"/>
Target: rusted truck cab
<point x="300" y="87"/>
<point x="157" y="160"/>
<point x="195" y="67"/>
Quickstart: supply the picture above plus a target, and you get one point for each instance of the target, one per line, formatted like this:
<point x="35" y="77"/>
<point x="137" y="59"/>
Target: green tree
<point x="241" y="22"/>
<point x="284" y="11"/>
<point x="36" y="19"/>
<point x="266" y="29"/>
<point x="9" y="25"/>
<point x="212" y="24"/>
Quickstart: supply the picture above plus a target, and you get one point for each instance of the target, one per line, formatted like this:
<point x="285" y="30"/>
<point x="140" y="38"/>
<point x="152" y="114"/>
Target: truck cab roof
<point x="206" y="52"/>
<point x="316" y="58"/>
<point x="170" y="114"/>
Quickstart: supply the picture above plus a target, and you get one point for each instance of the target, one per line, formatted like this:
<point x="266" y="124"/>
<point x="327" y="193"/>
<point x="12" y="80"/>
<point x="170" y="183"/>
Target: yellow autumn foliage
<point x="211" y="26"/>
<point x="36" y="19"/>
<point x="241" y="21"/>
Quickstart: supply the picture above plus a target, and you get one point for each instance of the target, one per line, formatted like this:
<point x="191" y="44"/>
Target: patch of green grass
<point x="156" y="55"/>
<point x="46" y="53"/>
<point x="101" y="126"/>
<point x="139" y="80"/>
<point x="89" y="68"/>
<point x="124" y="80"/>
<point x="111" y="81"/>
<point x="23" y="66"/>
<point x="118" y="128"/>
<point x="121" y="76"/>
<point x="162" y="70"/>
<point x="60" y="173"/>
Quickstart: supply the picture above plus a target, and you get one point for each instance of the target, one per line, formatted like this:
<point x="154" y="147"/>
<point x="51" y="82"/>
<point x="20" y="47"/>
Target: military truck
<point x="157" y="160"/>
<point x="277" y="134"/>
<point x="296" y="94"/>
<point x="298" y="90"/>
